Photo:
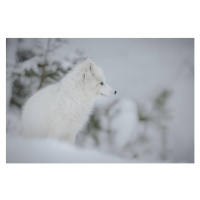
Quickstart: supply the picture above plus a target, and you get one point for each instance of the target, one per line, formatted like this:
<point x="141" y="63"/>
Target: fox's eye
<point x="102" y="83"/>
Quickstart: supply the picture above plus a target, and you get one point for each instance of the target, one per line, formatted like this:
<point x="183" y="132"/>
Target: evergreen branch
<point x="44" y="64"/>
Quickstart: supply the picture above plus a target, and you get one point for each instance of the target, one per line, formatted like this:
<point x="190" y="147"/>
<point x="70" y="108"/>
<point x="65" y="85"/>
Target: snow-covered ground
<point x="23" y="150"/>
<point x="138" y="69"/>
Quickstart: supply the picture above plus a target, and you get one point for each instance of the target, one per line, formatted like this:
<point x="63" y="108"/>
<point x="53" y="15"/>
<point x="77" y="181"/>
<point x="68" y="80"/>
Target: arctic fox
<point x="61" y="110"/>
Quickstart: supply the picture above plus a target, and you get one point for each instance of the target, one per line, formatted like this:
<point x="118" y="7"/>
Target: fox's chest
<point x="75" y="111"/>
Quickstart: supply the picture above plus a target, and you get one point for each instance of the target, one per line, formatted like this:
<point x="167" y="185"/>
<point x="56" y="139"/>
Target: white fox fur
<point x="61" y="110"/>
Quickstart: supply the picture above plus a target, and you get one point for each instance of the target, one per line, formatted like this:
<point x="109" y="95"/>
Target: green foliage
<point x="142" y="116"/>
<point x="95" y="123"/>
<point x="29" y="81"/>
<point x="93" y="127"/>
<point x="157" y="115"/>
<point x="161" y="99"/>
<point x="30" y="73"/>
<point x="33" y="71"/>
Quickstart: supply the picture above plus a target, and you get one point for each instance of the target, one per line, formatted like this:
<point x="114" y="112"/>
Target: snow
<point x="22" y="150"/>
<point x="124" y="124"/>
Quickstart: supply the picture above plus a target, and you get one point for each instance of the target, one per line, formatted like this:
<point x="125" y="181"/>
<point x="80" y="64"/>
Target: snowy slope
<point x="21" y="150"/>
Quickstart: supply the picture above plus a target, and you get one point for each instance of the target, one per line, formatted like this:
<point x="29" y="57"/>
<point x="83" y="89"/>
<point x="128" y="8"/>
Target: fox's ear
<point x="89" y="66"/>
<point x="88" y="69"/>
<point x="89" y="63"/>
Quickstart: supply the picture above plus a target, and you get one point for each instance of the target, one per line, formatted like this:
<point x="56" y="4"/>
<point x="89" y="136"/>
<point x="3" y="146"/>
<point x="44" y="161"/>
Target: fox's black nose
<point x="115" y="92"/>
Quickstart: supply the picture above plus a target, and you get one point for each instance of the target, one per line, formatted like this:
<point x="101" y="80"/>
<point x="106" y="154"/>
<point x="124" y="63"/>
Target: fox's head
<point x="94" y="80"/>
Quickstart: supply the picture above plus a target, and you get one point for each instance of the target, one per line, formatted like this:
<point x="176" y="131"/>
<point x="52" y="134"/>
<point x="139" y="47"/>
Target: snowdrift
<point x="23" y="150"/>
